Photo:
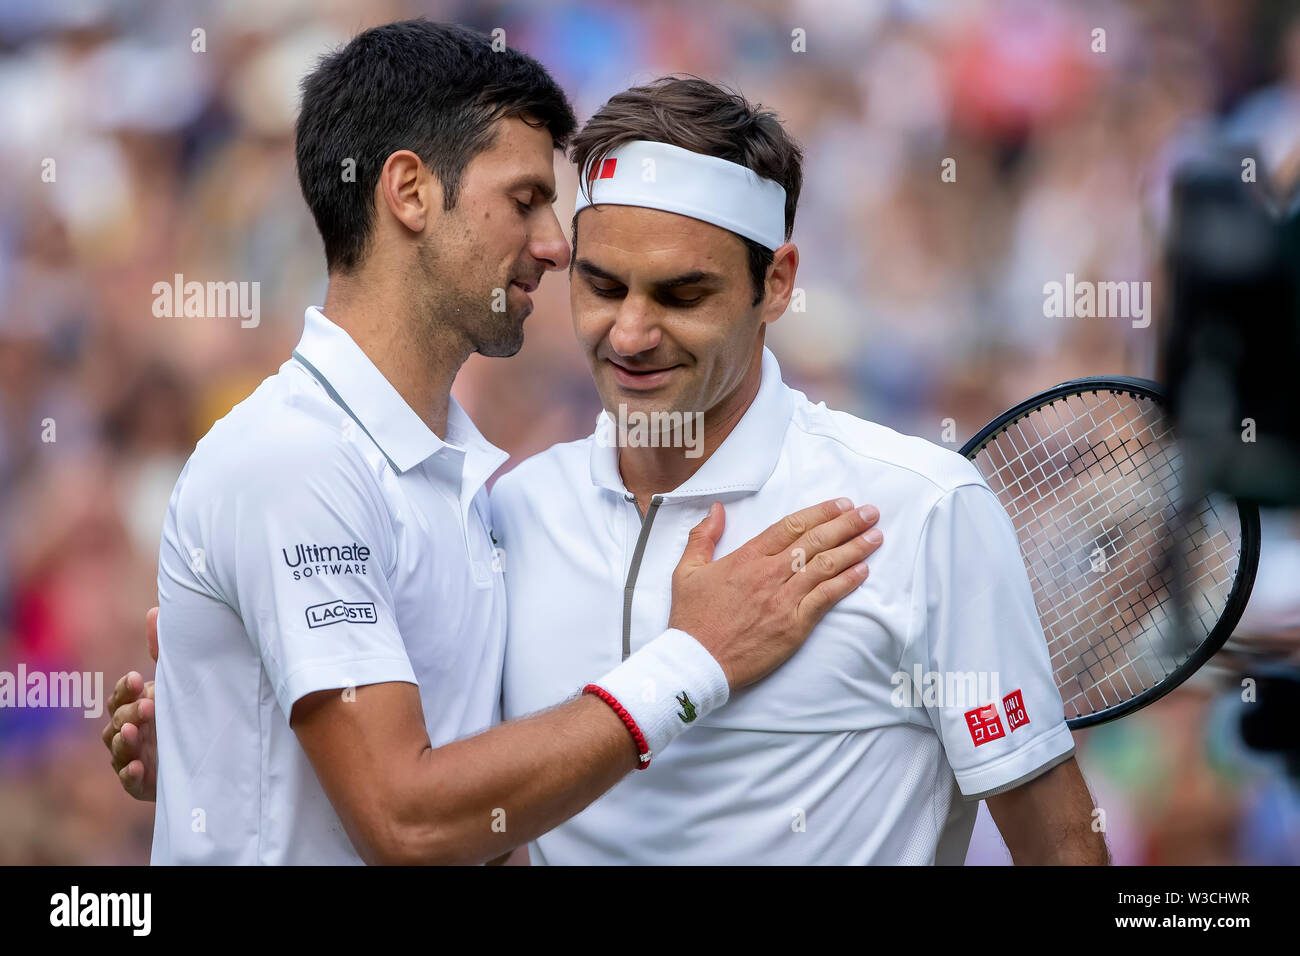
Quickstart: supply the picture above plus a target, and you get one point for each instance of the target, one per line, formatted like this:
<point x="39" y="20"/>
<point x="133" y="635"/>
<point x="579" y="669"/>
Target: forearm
<point x="1076" y="845"/>
<point x="1051" y="821"/>
<point x="475" y="799"/>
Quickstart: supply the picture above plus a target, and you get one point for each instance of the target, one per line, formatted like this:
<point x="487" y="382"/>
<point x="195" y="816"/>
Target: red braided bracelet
<point x="642" y="748"/>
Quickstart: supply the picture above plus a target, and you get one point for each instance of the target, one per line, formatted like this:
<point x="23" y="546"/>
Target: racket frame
<point x="1248" y="551"/>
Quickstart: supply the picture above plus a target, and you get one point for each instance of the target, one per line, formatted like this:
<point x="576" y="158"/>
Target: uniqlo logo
<point x="984" y="724"/>
<point x="1014" y="705"/>
<point x="606" y="170"/>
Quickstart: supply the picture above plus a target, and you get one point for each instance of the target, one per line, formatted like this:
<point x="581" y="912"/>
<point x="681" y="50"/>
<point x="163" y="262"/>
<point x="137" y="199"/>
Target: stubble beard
<point x="468" y="312"/>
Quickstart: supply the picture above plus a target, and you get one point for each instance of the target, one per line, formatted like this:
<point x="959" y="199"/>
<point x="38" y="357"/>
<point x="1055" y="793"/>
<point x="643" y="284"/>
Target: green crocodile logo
<point x="688" y="707"/>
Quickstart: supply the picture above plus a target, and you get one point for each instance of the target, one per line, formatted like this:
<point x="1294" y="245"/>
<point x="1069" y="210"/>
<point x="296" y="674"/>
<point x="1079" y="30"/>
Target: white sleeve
<point x="311" y="542"/>
<point x="996" y="709"/>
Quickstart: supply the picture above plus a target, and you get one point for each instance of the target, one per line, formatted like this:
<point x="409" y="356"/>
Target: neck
<point x="419" y="360"/>
<point x="648" y="471"/>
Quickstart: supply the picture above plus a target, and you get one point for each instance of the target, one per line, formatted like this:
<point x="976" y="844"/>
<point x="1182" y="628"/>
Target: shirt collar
<point x="743" y="462"/>
<point x="353" y="381"/>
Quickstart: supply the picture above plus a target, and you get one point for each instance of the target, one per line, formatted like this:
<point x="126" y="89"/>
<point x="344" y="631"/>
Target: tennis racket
<point x="1090" y="475"/>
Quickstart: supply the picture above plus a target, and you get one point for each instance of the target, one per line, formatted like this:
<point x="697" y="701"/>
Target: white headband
<point x="659" y="176"/>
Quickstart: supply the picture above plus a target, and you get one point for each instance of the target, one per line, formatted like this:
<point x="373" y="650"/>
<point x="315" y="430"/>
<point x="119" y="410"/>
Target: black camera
<point x="1231" y="357"/>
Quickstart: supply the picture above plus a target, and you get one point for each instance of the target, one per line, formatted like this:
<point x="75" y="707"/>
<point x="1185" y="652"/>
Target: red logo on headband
<point x="606" y="170"/>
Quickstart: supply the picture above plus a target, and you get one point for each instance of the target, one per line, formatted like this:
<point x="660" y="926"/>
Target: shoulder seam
<point x="945" y="488"/>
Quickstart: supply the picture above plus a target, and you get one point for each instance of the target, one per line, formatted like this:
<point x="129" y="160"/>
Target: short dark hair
<point x="433" y="88"/>
<point x="692" y="113"/>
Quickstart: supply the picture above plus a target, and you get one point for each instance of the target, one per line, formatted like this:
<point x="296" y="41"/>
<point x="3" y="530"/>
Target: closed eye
<point x="676" y="302"/>
<point x="665" y="298"/>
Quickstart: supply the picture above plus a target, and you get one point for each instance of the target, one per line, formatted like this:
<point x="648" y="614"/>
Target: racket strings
<point x="1090" y="481"/>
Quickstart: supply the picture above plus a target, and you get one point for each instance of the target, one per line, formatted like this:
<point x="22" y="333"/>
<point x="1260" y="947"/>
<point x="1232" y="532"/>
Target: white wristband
<point x="666" y="686"/>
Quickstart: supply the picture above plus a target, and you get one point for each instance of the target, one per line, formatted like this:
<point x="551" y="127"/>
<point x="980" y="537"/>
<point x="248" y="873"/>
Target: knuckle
<point x="823" y="564"/>
<point x="793" y="525"/>
<point x="816" y="538"/>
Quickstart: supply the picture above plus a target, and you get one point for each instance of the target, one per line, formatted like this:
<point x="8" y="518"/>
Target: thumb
<point x="704" y="538"/>
<point x="151" y="631"/>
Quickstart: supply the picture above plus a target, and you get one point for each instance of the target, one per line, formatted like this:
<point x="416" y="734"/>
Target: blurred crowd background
<point x="924" y="298"/>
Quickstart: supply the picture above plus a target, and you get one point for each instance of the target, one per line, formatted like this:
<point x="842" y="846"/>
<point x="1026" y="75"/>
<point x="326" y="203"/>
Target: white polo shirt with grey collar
<point x="927" y="688"/>
<point x="320" y="537"/>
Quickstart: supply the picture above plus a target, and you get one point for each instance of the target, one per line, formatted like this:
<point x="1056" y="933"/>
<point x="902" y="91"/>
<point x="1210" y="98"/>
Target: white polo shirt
<point x="320" y="536"/>
<point x="833" y="758"/>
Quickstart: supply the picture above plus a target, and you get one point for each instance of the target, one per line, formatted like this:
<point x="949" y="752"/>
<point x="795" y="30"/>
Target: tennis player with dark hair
<point x="331" y="628"/>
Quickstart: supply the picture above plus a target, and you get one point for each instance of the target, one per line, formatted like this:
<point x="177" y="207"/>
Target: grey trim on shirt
<point x="629" y="586"/>
<point x="338" y="400"/>
<point x="1020" y="781"/>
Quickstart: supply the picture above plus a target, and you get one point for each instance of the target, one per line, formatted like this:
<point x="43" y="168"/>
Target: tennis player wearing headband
<point x="681" y="259"/>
